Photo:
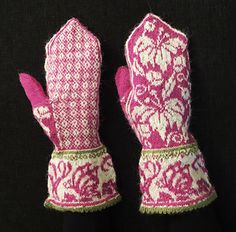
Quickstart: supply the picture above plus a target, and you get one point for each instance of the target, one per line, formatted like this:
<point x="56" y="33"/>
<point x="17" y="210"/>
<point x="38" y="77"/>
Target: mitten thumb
<point x="33" y="90"/>
<point x="42" y="109"/>
<point x="123" y="84"/>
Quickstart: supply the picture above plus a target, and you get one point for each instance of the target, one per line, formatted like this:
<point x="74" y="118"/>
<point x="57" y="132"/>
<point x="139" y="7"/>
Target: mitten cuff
<point x="174" y="180"/>
<point x="81" y="181"/>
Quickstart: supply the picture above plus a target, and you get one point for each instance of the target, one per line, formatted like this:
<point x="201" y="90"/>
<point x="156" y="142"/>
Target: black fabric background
<point x="25" y="26"/>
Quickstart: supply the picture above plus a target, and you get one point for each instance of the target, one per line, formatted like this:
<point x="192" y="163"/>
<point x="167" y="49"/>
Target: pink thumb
<point x="33" y="90"/>
<point x="122" y="79"/>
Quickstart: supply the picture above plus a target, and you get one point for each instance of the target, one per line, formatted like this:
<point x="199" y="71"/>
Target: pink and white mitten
<point x="81" y="177"/>
<point x="154" y="93"/>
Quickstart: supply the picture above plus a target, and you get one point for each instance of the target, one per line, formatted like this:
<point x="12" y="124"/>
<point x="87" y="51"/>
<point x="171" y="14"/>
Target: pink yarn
<point x="33" y="90"/>
<point x="73" y="61"/>
<point x="69" y="115"/>
<point x="164" y="69"/>
<point x="155" y="96"/>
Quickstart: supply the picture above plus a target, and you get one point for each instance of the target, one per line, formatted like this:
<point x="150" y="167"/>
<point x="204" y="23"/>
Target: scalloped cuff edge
<point x="179" y="209"/>
<point x="84" y="209"/>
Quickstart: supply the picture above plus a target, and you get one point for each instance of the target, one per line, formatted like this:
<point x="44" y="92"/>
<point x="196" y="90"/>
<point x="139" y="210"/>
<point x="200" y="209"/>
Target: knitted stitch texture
<point x="81" y="177"/>
<point x="154" y="93"/>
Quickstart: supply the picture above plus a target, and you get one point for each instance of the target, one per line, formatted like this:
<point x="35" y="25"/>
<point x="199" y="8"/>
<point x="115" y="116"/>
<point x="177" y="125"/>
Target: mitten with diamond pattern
<point x="81" y="177"/>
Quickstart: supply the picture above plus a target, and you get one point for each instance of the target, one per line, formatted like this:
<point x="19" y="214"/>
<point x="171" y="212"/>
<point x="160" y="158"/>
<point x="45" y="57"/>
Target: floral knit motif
<point x="81" y="176"/>
<point x="155" y="97"/>
<point x="76" y="180"/>
<point x="174" y="181"/>
<point x="160" y="98"/>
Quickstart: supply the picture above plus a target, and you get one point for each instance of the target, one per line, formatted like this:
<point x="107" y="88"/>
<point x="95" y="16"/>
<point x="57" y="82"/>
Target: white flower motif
<point x="155" y="78"/>
<point x="159" y="57"/>
<point x="144" y="48"/>
<point x="149" y="26"/>
<point x="185" y="93"/>
<point x="179" y="63"/>
<point x="170" y="115"/>
<point x="156" y="52"/>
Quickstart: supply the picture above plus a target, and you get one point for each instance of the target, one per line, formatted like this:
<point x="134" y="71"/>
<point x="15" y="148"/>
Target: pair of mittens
<point x="155" y="96"/>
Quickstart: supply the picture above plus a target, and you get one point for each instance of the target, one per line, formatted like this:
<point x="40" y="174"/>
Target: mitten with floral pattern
<point x="81" y="177"/>
<point x="154" y="93"/>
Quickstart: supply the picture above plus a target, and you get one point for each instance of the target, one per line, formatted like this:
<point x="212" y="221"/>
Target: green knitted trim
<point x="85" y="209"/>
<point x="170" y="152"/>
<point x="180" y="209"/>
<point x="79" y="154"/>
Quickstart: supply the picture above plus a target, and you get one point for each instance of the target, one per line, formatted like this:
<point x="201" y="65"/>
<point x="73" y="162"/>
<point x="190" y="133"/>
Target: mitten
<point x="154" y="92"/>
<point x="81" y="177"/>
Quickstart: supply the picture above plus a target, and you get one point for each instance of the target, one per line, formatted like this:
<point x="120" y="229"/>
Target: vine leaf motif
<point x="163" y="55"/>
<point x="172" y="114"/>
<point x="142" y="111"/>
<point x="156" y="52"/>
<point x="144" y="47"/>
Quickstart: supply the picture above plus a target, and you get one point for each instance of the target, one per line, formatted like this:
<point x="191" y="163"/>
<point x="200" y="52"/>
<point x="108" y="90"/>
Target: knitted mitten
<point x="154" y="93"/>
<point x="81" y="176"/>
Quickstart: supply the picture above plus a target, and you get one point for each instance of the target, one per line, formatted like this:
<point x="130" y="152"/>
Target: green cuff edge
<point x="170" y="152"/>
<point x="180" y="209"/>
<point x="85" y="209"/>
<point x="79" y="154"/>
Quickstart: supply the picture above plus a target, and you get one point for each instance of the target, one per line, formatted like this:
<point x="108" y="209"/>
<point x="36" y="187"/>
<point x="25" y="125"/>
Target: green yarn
<point x="79" y="154"/>
<point x="84" y="209"/>
<point x="170" y="152"/>
<point x="180" y="209"/>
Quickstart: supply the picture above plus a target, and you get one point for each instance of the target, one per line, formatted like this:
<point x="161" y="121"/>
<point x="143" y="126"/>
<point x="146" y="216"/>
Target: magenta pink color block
<point x="81" y="176"/>
<point x="154" y="92"/>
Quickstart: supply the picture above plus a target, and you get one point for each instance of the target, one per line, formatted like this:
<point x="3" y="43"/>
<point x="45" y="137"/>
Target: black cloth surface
<point x="26" y="26"/>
